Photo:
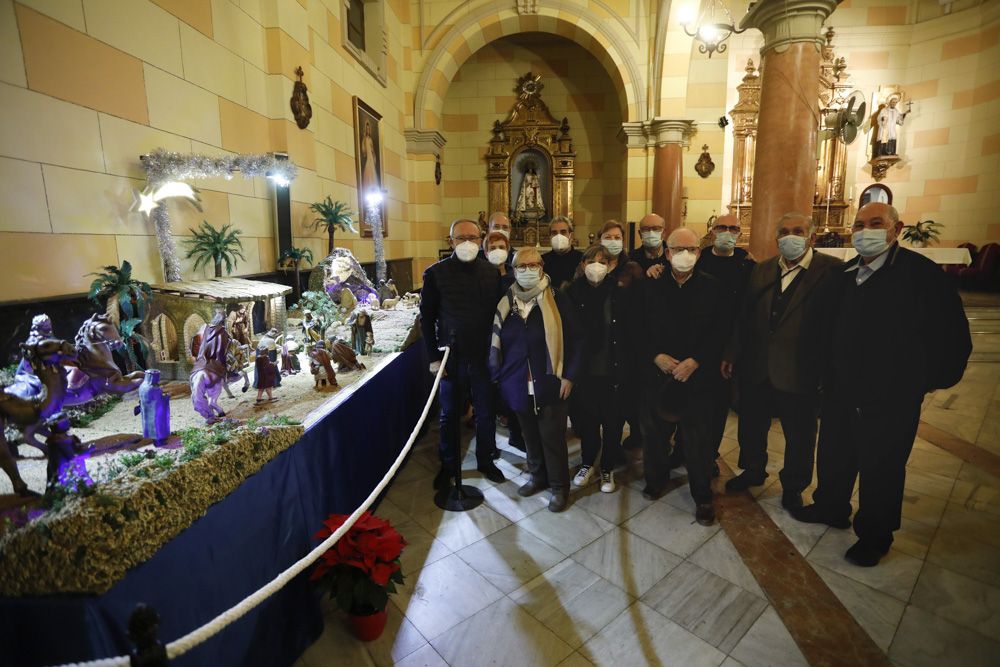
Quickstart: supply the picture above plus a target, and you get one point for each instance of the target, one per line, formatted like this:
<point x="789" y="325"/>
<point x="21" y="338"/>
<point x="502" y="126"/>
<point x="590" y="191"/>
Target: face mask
<point x="466" y="251"/>
<point x="651" y="239"/>
<point x="527" y="278"/>
<point x="725" y="241"/>
<point x="559" y="242"/>
<point x="500" y="230"/>
<point x="497" y="256"/>
<point x="595" y="272"/>
<point x="614" y="246"/>
<point x="870" y="242"/>
<point x="683" y="261"/>
<point x="791" y="246"/>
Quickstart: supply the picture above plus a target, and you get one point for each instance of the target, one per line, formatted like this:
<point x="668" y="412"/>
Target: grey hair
<point x="526" y="253"/>
<point x="674" y="234"/>
<point x="797" y="216"/>
<point x="451" y="230"/>
<point x="561" y="218"/>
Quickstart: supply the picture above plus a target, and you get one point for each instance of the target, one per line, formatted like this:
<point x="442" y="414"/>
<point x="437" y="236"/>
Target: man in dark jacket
<point x="775" y="354"/>
<point x="561" y="263"/>
<point x="897" y="331"/>
<point x="652" y="250"/>
<point x="457" y="302"/>
<point x="681" y="361"/>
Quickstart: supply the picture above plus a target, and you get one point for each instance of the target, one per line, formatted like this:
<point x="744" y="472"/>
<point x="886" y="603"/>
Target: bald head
<point x="499" y="223"/>
<point x="879" y="210"/>
<point x="682" y="237"/>
<point x="877" y="215"/>
<point x="727" y="220"/>
<point x="650" y="221"/>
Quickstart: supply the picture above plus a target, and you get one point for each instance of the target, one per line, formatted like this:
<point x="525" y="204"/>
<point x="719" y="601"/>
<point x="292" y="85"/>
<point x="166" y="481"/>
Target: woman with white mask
<point x="496" y="248"/>
<point x="612" y="237"/>
<point x="602" y="397"/>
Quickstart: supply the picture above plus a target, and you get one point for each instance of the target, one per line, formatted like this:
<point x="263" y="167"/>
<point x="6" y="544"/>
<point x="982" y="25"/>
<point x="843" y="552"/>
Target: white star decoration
<point x="145" y="201"/>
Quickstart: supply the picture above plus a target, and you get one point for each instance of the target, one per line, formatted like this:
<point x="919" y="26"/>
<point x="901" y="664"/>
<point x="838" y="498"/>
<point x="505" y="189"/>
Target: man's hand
<point x="655" y="271"/>
<point x="665" y="363"/>
<point x="435" y="366"/>
<point x="727" y="370"/>
<point x="565" y="388"/>
<point x="684" y="369"/>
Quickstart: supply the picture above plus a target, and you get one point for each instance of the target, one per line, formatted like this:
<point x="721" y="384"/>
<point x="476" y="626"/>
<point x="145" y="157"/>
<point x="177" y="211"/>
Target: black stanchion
<point x="143" y="628"/>
<point x="460" y="497"/>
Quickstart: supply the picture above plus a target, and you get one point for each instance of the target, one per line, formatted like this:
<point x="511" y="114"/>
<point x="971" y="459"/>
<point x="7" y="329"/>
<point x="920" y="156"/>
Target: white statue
<point x="888" y="118"/>
<point x="529" y="200"/>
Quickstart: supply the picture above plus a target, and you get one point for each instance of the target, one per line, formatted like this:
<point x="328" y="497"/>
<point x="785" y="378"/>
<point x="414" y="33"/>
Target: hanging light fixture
<point x="713" y="27"/>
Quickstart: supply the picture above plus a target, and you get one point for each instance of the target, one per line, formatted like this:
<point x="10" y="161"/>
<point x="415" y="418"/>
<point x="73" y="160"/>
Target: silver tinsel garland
<point x="163" y="166"/>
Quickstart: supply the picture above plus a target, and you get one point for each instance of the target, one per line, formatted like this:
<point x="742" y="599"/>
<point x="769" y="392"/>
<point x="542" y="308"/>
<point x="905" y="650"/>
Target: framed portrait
<point x="368" y="157"/>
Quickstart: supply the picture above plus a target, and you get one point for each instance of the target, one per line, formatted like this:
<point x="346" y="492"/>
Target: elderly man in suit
<point x="775" y="356"/>
<point x="899" y="331"/>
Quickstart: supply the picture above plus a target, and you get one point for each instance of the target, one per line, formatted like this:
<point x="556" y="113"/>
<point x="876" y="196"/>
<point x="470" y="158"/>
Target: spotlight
<point x="373" y="198"/>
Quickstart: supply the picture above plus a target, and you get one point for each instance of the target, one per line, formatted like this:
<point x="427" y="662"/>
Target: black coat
<point x="457" y="304"/>
<point x="560" y="268"/>
<point x="619" y="341"/>
<point x="900" y="334"/>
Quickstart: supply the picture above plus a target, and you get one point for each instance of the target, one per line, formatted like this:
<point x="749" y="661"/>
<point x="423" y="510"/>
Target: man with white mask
<point x="684" y="335"/>
<point x="456" y="309"/>
<point x="561" y="263"/>
<point x="776" y="356"/>
<point x="897" y="330"/>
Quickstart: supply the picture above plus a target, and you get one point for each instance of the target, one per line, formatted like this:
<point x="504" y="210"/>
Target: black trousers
<point x="600" y="409"/>
<point x="503" y="410"/>
<point x="874" y="443"/>
<point x="797" y="413"/>
<point x="462" y="378"/>
<point x="698" y="447"/>
<point x="546" y="452"/>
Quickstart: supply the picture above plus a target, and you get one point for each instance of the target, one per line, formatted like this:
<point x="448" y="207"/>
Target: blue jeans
<point x="462" y="377"/>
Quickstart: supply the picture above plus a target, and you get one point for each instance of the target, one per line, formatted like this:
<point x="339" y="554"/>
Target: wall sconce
<point x="713" y="28"/>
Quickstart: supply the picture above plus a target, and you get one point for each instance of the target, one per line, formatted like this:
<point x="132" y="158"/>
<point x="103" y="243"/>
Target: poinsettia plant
<point x="362" y="568"/>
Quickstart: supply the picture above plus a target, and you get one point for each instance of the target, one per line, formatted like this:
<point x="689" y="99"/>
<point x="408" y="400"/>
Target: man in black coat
<point x="457" y="303"/>
<point x="653" y="249"/>
<point x="897" y="331"/>
<point x="680" y="365"/>
<point x="776" y="357"/>
<point x="561" y="262"/>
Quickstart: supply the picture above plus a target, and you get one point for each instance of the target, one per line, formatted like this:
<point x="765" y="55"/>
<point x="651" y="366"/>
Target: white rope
<point x="184" y="644"/>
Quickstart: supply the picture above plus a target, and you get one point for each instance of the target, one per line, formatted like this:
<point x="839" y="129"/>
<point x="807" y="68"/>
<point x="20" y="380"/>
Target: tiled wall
<point x="89" y="85"/>
<point x="576" y="87"/>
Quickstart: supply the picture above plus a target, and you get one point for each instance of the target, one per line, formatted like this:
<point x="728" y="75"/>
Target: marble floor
<point x="620" y="580"/>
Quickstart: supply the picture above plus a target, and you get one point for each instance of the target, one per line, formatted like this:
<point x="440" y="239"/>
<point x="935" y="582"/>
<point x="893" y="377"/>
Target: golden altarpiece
<point x="530" y="164"/>
<point x="829" y="204"/>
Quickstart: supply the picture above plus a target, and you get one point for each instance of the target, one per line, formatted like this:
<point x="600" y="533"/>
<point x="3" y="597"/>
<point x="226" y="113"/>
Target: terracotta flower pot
<point x="368" y="627"/>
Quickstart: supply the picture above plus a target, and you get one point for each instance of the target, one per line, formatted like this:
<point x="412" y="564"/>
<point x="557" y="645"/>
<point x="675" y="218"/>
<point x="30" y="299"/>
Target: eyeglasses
<point x="685" y="248"/>
<point x="526" y="267"/>
<point x="643" y="230"/>
<point x="463" y="239"/>
<point x="735" y="229"/>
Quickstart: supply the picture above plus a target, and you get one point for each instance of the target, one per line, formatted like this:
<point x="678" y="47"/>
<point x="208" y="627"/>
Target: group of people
<point x="668" y="337"/>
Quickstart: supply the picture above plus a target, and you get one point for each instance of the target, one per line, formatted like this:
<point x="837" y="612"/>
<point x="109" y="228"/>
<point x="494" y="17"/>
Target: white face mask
<point x="466" y="251"/>
<point x="652" y="239"/>
<point x="527" y="278"/>
<point x="614" y="246"/>
<point x="683" y="261"/>
<point x="595" y="272"/>
<point x="497" y="256"/>
<point x="501" y="230"/>
<point x="559" y="242"/>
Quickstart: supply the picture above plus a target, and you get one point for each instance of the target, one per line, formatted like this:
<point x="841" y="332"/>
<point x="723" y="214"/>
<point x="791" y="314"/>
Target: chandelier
<point x="713" y="28"/>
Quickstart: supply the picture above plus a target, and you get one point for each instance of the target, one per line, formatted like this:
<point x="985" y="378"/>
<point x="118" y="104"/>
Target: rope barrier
<point x="180" y="646"/>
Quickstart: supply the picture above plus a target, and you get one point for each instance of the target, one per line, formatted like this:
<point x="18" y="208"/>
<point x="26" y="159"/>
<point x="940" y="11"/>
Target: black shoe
<point x="443" y="478"/>
<point x="813" y="514"/>
<point x="652" y="492"/>
<point x="791" y="500"/>
<point x="492" y="473"/>
<point x="704" y="514"/>
<point x="558" y="501"/>
<point x="744" y="481"/>
<point x="516" y="443"/>
<point x="531" y="488"/>
<point x="864" y="555"/>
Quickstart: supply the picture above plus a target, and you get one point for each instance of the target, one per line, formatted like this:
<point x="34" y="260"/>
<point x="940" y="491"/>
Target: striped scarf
<point x="551" y="322"/>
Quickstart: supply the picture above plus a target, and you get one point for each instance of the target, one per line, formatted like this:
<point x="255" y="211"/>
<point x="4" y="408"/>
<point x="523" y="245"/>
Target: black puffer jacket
<point x="457" y="304"/>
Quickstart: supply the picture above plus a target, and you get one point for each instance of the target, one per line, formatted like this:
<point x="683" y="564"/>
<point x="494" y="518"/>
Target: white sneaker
<point x="608" y="482"/>
<point x="583" y="476"/>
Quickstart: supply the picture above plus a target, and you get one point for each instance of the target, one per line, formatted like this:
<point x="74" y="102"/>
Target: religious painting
<point x="368" y="156"/>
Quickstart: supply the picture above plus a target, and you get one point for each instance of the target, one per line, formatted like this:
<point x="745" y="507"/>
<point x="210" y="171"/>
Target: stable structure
<point x="179" y="309"/>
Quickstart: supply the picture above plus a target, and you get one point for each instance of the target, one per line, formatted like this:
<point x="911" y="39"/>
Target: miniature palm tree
<point x="217" y="246"/>
<point x="923" y="233"/>
<point x="120" y="295"/>
<point x="333" y="215"/>
<point x="293" y="258"/>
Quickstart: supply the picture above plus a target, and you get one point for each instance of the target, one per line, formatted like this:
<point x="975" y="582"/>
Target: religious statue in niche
<point x="530" y="205"/>
<point x="888" y="118"/>
<point x="302" y="111"/>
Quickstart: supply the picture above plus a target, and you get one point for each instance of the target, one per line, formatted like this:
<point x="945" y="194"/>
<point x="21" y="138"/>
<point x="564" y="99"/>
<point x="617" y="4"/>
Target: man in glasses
<point x="680" y="365"/>
<point x="459" y="296"/>
<point x="776" y="355"/>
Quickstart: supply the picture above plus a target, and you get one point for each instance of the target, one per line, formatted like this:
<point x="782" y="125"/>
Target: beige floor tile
<point x="569" y="531"/>
<point x="876" y="612"/>
<point x="895" y="575"/>
<point x="575" y="660"/>
<point x="572" y="601"/>
<point x="929" y="484"/>
<point x="924" y="639"/>
<point x="503" y="499"/>
<point x="976" y="490"/>
<point x="615" y="507"/>
<point x="960" y="552"/>
<point x="939" y="462"/>
<point x="967" y="602"/>
<point x="913" y="538"/>
<point x="504" y="635"/>
<point x="923" y="509"/>
<point x="460" y="529"/>
<point x="670" y="529"/>
<point x="719" y="556"/>
<point x="626" y="560"/>
<point x="642" y="636"/>
<point x="510" y="557"/>
<point x="768" y="644"/>
<point x="803" y="535"/>
<point x="423" y="657"/>
<point x="982" y="526"/>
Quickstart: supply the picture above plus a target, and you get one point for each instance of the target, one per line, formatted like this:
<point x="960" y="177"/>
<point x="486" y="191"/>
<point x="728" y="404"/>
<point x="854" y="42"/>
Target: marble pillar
<point x="666" y="138"/>
<point x="784" y="175"/>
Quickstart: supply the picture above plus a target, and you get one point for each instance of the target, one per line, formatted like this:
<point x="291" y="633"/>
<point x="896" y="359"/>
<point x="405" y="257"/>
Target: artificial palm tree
<point x="294" y="257"/>
<point x="209" y="244"/>
<point x="333" y="215"/>
<point x="120" y="295"/>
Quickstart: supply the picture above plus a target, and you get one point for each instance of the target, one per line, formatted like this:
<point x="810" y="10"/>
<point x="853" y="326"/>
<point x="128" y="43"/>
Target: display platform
<point x="241" y="543"/>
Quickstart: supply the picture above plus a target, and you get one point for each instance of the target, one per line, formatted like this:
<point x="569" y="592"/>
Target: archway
<point x="164" y="338"/>
<point x="191" y="326"/>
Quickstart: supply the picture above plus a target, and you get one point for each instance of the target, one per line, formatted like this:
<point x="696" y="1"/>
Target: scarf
<point x="551" y="322"/>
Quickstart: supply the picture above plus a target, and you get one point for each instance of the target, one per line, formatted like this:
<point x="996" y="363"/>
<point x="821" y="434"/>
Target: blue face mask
<point x="527" y="278"/>
<point x="791" y="246"/>
<point x="725" y="241"/>
<point x="870" y="242"/>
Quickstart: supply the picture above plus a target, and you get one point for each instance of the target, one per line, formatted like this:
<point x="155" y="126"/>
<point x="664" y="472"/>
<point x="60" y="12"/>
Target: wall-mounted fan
<point x="845" y="123"/>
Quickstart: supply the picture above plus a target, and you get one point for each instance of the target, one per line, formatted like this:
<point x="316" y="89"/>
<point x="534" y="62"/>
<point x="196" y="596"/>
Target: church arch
<point x="478" y="28"/>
